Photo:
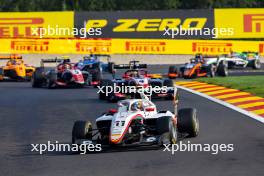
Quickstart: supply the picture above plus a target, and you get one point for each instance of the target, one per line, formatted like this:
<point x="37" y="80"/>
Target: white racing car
<point x="137" y="122"/>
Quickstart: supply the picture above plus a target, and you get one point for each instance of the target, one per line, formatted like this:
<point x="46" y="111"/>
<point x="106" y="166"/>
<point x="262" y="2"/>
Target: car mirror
<point x="112" y="111"/>
<point x="149" y="109"/>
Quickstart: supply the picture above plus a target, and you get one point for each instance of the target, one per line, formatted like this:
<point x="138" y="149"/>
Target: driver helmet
<point x="67" y="66"/>
<point x="137" y="106"/>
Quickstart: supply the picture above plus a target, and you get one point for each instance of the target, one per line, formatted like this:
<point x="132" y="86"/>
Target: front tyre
<point x="167" y="130"/>
<point x="188" y="122"/>
<point x="81" y="130"/>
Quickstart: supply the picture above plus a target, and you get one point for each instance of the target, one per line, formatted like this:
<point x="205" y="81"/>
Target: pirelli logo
<point x="254" y="23"/>
<point x="19" y="27"/>
<point x="145" y="46"/>
<point x="94" y="47"/>
<point x="30" y="46"/>
<point x="208" y="47"/>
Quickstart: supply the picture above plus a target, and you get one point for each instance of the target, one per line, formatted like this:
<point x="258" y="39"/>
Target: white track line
<point x="242" y="111"/>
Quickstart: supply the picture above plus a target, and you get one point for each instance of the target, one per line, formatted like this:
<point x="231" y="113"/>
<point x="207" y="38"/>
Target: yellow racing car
<point x="15" y="69"/>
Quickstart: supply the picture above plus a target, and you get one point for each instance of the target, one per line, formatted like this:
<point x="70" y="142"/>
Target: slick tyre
<point x="111" y="67"/>
<point x="81" y="130"/>
<point x="38" y="78"/>
<point x="168" y="83"/>
<point x="188" y="122"/>
<point x="222" y="69"/>
<point x="256" y="64"/>
<point x="172" y="70"/>
<point x="167" y="130"/>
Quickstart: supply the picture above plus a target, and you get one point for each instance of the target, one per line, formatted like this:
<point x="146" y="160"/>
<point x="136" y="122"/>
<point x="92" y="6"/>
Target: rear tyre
<point x="82" y="130"/>
<point x="168" y="83"/>
<point x="38" y="79"/>
<point x="222" y="69"/>
<point x="96" y="76"/>
<point x="188" y="121"/>
<point x="172" y="70"/>
<point x="167" y="129"/>
<point x="170" y="94"/>
<point x="111" y="67"/>
<point x="51" y="80"/>
<point x="211" y="71"/>
<point x="1" y="74"/>
<point x="256" y="64"/>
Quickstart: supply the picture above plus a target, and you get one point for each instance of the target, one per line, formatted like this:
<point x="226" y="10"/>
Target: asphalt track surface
<point x="39" y="115"/>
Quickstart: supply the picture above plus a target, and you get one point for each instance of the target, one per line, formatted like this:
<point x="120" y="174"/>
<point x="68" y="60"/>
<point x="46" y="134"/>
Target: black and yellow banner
<point x="146" y="24"/>
<point x="137" y="32"/>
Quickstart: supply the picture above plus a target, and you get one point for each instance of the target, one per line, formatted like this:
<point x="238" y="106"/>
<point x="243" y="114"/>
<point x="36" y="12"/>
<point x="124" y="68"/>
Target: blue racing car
<point x="94" y="67"/>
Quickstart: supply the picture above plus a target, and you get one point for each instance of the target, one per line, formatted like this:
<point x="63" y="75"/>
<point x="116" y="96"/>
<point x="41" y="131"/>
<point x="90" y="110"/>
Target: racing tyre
<point x="222" y="69"/>
<point x="82" y="130"/>
<point x="111" y="67"/>
<point x="172" y="70"/>
<point x="97" y="76"/>
<point x="51" y="80"/>
<point x="37" y="78"/>
<point x="168" y="83"/>
<point x="188" y="121"/>
<point x="170" y="94"/>
<point x="211" y="71"/>
<point x="182" y="69"/>
<point x="1" y="74"/>
<point x="167" y="129"/>
<point x="256" y="64"/>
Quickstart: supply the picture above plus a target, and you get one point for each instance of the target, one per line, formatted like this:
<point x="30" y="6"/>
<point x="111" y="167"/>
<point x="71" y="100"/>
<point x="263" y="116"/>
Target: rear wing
<point x="250" y="52"/>
<point x="56" y="60"/>
<point x="96" y="57"/>
<point x="131" y="65"/>
<point x="10" y="57"/>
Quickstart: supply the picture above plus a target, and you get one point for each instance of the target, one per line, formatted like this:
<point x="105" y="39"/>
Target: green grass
<point x="251" y="84"/>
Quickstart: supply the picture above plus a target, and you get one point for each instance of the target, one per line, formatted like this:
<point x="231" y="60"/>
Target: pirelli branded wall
<point x="127" y="46"/>
<point x="132" y="32"/>
<point x="247" y="23"/>
<point x="28" y="24"/>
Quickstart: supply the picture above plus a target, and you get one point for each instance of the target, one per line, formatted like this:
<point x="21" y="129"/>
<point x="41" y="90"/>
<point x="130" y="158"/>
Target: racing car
<point x="65" y="74"/>
<point x="137" y="122"/>
<point x="201" y="66"/>
<point x="15" y="69"/>
<point x="95" y="67"/>
<point x="136" y="78"/>
<point x="243" y="60"/>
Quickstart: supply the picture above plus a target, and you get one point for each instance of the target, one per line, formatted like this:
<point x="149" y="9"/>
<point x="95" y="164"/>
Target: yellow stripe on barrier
<point x="184" y="82"/>
<point x="260" y="111"/>
<point x="211" y="89"/>
<point x="251" y="105"/>
<point x="220" y="91"/>
<point x="243" y="99"/>
<point x="232" y="95"/>
<point x="194" y="84"/>
<point x="201" y="86"/>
